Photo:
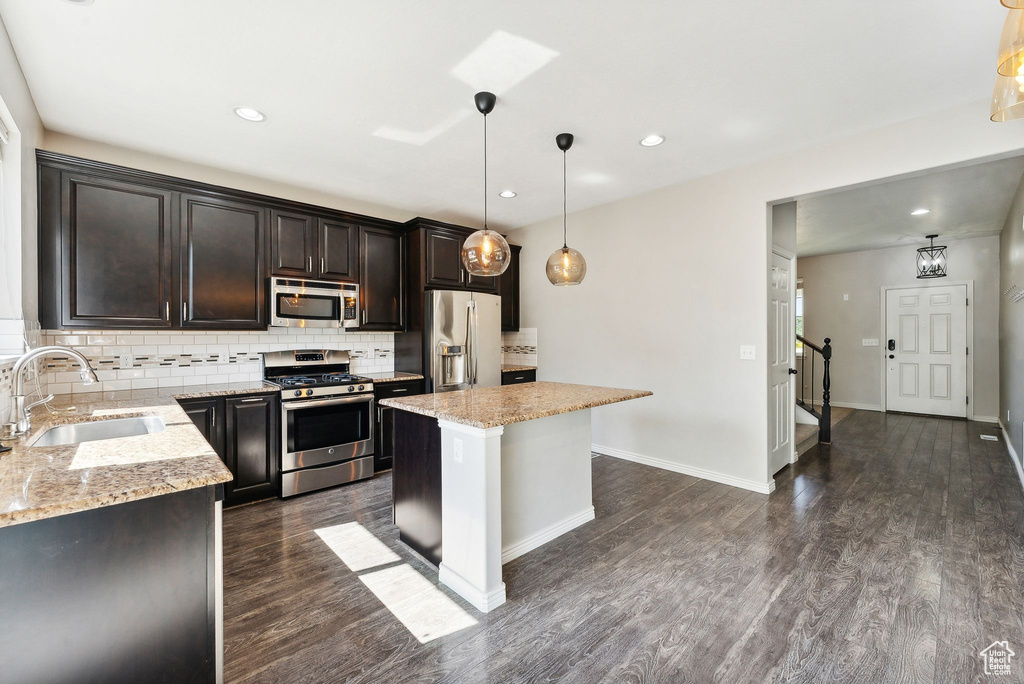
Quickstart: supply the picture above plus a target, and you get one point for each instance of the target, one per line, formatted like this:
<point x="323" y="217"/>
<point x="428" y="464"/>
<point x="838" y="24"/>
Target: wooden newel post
<point x="825" y="424"/>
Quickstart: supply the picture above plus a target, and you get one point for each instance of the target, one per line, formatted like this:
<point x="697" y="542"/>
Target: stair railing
<point x="824" y="411"/>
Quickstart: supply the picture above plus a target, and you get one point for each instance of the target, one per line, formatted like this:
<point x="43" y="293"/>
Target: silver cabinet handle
<point x="184" y="311"/>
<point x="323" y="269"/>
<point x="213" y="419"/>
<point x="396" y="391"/>
<point x="364" y="316"/>
<point x="309" y="268"/>
<point x="519" y="377"/>
<point x="249" y="401"/>
<point x="167" y="309"/>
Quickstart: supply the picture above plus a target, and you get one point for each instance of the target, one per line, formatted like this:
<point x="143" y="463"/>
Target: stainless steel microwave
<point x="296" y="303"/>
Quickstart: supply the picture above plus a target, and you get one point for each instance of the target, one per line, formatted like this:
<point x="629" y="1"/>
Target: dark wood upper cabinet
<point x="252" y="447"/>
<point x="488" y="284"/>
<point x="292" y="244"/>
<point x="444" y="259"/>
<point x="222" y="255"/>
<point x="382" y="279"/>
<point x="509" y="290"/>
<point x="339" y="249"/>
<point x="116" y="252"/>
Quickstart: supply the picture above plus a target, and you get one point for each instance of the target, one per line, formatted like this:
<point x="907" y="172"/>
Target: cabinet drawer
<point x="397" y="389"/>
<point x="517" y="377"/>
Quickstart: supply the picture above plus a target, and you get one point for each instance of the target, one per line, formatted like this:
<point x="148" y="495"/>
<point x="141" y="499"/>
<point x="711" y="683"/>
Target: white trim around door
<point x="969" y="284"/>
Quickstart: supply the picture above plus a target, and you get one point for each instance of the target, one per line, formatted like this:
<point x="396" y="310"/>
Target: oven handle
<point x="311" y="403"/>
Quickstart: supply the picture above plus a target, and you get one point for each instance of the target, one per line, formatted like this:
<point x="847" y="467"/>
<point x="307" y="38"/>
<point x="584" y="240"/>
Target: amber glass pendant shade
<point x="1008" y="99"/>
<point x="1013" y="4"/>
<point x="1011" y="45"/>
<point x="485" y="253"/>
<point x="566" y="267"/>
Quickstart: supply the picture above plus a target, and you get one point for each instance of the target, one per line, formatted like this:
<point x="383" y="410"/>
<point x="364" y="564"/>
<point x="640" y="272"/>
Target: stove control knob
<point x="298" y="393"/>
<point x="351" y="388"/>
<point x="309" y="393"/>
<point x="361" y="388"/>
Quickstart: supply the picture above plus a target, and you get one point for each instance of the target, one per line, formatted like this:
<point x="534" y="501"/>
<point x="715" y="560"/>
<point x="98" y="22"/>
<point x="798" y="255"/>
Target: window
<point x="799" y="315"/>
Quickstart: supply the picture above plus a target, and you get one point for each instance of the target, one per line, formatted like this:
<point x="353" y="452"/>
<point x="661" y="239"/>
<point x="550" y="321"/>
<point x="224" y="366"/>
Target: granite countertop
<point x="489" y="407"/>
<point x="392" y="376"/>
<point x="514" y="368"/>
<point x="44" y="482"/>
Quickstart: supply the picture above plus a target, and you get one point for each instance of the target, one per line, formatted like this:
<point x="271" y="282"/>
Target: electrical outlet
<point x="747" y="352"/>
<point x="126" y="360"/>
<point x="869" y="343"/>
<point x="457" y="451"/>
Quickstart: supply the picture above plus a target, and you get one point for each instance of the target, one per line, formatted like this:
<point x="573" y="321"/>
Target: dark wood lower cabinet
<point x="517" y="377"/>
<point x="123" y="593"/>
<point x="416" y="483"/>
<point x="245" y="433"/>
<point x="384" y="435"/>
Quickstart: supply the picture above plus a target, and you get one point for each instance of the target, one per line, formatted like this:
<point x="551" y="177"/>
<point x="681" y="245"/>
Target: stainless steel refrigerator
<point x="462" y="334"/>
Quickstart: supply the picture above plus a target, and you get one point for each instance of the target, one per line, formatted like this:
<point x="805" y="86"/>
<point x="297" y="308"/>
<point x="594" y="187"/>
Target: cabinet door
<point x="222" y="252"/>
<point x="444" y="259"/>
<point x="117" y="254"/>
<point x="488" y="284"/>
<point x="292" y="244"/>
<point x="383" y="457"/>
<point x="509" y="291"/>
<point x="208" y="416"/>
<point x="339" y="249"/>
<point x="252" y="447"/>
<point x="382" y="279"/>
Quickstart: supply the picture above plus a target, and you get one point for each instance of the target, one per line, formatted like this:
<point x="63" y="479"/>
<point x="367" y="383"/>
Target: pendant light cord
<point x="565" y="244"/>
<point x="485" y="172"/>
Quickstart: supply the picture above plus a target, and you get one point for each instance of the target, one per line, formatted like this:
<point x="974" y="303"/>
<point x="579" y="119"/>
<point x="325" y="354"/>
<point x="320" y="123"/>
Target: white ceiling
<point x="373" y="100"/>
<point x="966" y="201"/>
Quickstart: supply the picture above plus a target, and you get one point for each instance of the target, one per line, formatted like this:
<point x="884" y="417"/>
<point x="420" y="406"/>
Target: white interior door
<point x="926" y="350"/>
<point x="781" y="347"/>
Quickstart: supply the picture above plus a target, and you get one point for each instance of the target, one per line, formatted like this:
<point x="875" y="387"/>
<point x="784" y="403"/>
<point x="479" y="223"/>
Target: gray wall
<point x="1011" y="324"/>
<point x="856" y="370"/>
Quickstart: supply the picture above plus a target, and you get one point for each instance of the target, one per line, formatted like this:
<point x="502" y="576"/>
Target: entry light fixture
<point x="920" y="212"/>
<point x="507" y="194"/>
<point x="250" y="114"/>
<point x="566" y="266"/>
<point x="652" y="140"/>
<point x="931" y="260"/>
<point x="485" y="253"/>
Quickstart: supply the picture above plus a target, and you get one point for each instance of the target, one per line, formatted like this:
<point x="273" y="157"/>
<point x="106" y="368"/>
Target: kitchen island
<point x="486" y="475"/>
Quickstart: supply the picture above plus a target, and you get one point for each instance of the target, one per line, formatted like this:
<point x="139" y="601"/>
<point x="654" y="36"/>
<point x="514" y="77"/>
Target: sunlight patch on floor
<point x="356" y="546"/>
<point x="426" y="611"/>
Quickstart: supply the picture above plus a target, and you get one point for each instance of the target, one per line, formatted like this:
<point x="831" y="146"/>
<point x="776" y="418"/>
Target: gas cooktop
<point x="323" y="380"/>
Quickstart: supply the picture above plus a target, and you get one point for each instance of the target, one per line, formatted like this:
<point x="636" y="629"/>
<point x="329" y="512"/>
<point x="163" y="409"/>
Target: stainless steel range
<point x="326" y="419"/>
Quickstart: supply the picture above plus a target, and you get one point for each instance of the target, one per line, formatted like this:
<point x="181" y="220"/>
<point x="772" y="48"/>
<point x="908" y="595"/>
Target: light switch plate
<point x="869" y="343"/>
<point x="846" y="297"/>
<point x="747" y="352"/>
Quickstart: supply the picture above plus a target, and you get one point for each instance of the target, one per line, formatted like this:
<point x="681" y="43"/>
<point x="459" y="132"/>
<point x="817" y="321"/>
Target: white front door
<point x="926" y="350"/>
<point x="781" y="347"/>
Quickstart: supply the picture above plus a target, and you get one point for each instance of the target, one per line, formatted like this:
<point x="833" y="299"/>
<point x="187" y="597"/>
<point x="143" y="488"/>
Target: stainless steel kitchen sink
<point x="100" y="429"/>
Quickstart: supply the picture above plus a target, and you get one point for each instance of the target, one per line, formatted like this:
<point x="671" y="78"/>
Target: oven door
<point x="305" y="307"/>
<point x="320" y="431"/>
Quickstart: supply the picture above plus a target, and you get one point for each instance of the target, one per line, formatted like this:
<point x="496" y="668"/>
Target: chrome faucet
<point x="20" y="419"/>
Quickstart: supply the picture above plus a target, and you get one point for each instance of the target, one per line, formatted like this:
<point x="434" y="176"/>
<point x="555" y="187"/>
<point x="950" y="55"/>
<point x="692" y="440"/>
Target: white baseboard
<point x="752" y="485"/>
<point x="547" y="534"/>
<point x="987" y="419"/>
<point x="485" y="602"/>
<point x="1013" y="452"/>
<point x="861" y="407"/>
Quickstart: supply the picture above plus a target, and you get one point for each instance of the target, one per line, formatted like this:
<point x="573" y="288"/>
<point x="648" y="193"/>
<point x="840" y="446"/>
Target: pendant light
<point x="1013" y="4"/>
<point x="931" y="260"/>
<point x="1011" y="45"/>
<point x="566" y="266"/>
<point x="485" y="253"/>
<point x="1008" y="99"/>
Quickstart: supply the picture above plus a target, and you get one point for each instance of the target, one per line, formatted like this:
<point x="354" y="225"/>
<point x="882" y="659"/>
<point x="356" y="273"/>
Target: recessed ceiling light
<point x="79" y="2"/>
<point x="652" y="140"/>
<point x="920" y="212"/>
<point x="250" y="114"/>
<point x="507" y="194"/>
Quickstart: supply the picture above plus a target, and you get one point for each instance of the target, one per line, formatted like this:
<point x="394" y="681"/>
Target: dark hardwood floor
<point x="897" y="554"/>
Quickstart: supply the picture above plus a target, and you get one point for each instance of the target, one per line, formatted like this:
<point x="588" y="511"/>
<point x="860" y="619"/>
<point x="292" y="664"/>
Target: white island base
<point x="505" y="491"/>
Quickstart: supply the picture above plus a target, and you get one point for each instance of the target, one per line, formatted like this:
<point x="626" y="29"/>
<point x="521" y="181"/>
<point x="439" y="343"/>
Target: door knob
<point x="892" y="356"/>
<point x="792" y="371"/>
